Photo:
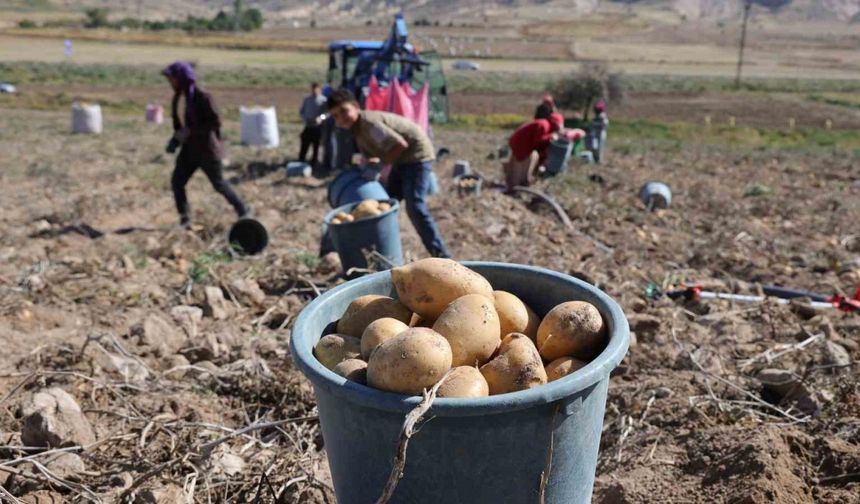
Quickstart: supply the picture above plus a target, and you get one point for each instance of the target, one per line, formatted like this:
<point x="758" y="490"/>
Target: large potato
<point x="464" y="381"/>
<point x="562" y="367"/>
<point x="378" y="331"/>
<point x="573" y="329"/>
<point x="353" y="370"/>
<point x="517" y="366"/>
<point x="471" y="326"/>
<point x="515" y="316"/>
<point x="331" y="349"/>
<point x="429" y="285"/>
<point x="409" y="362"/>
<point x="365" y="309"/>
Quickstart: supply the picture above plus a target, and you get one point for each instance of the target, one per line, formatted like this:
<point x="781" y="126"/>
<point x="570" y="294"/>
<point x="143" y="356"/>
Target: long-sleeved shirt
<point x="203" y="124"/>
<point x="313" y="106"/>
<point x="532" y="136"/>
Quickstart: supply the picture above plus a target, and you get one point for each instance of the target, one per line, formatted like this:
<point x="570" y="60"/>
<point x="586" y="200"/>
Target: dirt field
<point x="688" y="418"/>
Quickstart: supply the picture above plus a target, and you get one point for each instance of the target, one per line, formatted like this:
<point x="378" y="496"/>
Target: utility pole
<point x="747" y="5"/>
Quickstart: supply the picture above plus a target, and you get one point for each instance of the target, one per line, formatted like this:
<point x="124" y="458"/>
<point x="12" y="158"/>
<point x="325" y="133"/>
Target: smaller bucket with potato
<point x="525" y="354"/>
<point x="359" y="229"/>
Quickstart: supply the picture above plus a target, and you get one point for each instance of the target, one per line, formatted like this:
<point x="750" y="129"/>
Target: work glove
<point x="172" y="145"/>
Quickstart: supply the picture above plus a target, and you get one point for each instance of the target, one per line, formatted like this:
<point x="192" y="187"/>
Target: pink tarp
<point x="400" y="99"/>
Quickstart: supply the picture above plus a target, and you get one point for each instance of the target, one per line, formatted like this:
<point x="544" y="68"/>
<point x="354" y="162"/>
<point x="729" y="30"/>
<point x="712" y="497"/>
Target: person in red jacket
<point x="529" y="145"/>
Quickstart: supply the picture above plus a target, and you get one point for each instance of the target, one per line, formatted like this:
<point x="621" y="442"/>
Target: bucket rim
<point x="395" y="206"/>
<point x="301" y="349"/>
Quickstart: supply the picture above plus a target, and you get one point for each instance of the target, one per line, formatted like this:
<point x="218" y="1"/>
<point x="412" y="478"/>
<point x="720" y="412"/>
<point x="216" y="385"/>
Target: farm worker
<point x="389" y="139"/>
<point x="529" y="145"/>
<point x="198" y="137"/>
<point x="546" y="107"/>
<point x="313" y="114"/>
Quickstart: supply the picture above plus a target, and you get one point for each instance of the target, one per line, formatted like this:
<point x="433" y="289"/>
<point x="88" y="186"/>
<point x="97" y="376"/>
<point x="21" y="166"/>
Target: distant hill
<point x="358" y="11"/>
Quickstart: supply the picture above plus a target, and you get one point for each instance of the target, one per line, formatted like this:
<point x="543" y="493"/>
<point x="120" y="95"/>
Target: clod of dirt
<point x="176" y="366"/>
<point x="167" y="494"/>
<point x="189" y="317"/>
<point x="132" y="370"/>
<point x="780" y="382"/>
<point x="158" y="334"/>
<point x="329" y="263"/>
<point x="121" y="481"/>
<point x="35" y="282"/>
<point x="247" y="292"/>
<point x="783" y="386"/>
<point x="66" y="465"/>
<point x="215" y="305"/>
<point x="836" y="356"/>
<point x="229" y="464"/>
<point x="43" y="497"/>
<point x="52" y="418"/>
<point x="645" y="326"/>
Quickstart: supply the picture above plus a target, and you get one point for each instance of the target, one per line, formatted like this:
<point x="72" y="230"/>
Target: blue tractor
<point x="353" y="62"/>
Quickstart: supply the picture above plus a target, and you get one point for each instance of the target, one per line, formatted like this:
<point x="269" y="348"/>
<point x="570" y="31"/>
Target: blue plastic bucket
<point x="248" y="236"/>
<point x="485" y="450"/>
<point x="380" y="233"/>
<point x="350" y="187"/>
<point x="298" y="169"/>
<point x="655" y="195"/>
<point x="559" y="153"/>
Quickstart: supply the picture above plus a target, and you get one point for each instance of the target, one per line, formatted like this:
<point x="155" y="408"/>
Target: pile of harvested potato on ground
<point x="367" y="208"/>
<point x="448" y="316"/>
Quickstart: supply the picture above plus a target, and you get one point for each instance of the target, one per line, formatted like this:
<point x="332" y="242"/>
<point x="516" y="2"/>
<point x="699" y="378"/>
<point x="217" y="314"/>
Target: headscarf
<point x="184" y="74"/>
<point x="549" y="101"/>
<point x="556" y="121"/>
<point x="600" y="106"/>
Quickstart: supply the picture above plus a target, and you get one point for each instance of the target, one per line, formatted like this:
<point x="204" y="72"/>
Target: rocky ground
<point x="138" y="355"/>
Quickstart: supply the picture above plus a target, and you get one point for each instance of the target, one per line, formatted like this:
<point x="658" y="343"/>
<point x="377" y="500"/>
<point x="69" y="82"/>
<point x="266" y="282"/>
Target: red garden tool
<point x="782" y="295"/>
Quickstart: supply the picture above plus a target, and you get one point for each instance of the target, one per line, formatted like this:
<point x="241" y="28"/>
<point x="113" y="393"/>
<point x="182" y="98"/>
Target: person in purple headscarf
<point x="197" y="135"/>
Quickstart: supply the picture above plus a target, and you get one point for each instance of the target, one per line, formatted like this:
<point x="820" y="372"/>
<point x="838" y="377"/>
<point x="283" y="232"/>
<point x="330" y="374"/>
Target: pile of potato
<point x="467" y="183"/>
<point x="367" y="208"/>
<point x="448" y="316"/>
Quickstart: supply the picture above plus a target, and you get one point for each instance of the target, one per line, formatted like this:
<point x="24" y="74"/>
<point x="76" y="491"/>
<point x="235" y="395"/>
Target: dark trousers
<point x="185" y="168"/>
<point x="310" y="137"/>
<point x="410" y="183"/>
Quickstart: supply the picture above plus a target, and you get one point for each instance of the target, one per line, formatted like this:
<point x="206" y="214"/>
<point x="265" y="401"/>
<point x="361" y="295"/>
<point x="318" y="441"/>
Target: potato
<point x="464" y="381"/>
<point x="384" y="206"/>
<point x="378" y="331"/>
<point x="353" y="370"/>
<point x="471" y="326"/>
<point x="409" y="362"/>
<point x="332" y="349"/>
<point x="348" y="218"/>
<point x="517" y="366"/>
<point x="363" y="214"/>
<point x="562" y="367"/>
<point x="515" y="316"/>
<point x="341" y="215"/>
<point x="573" y="329"/>
<point x="366" y="206"/>
<point x="429" y="285"/>
<point x="336" y="220"/>
<point x="365" y="309"/>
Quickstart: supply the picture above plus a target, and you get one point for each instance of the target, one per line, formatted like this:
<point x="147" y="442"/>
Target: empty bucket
<point x="461" y="167"/>
<point x="559" y="153"/>
<point x="298" y="169"/>
<point x="484" y="450"/>
<point x="655" y="195"/>
<point x="353" y="240"/>
<point x="248" y="236"/>
<point x="350" y="187"/>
